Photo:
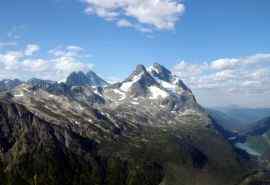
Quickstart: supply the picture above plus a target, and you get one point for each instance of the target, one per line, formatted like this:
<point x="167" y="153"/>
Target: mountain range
<point x="244" y="116"/>
<point x="227" y="121"/>
<point x="147" y="129"/>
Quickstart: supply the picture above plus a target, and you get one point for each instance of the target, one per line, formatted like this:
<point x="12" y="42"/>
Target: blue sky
<point x="196" y="32"/>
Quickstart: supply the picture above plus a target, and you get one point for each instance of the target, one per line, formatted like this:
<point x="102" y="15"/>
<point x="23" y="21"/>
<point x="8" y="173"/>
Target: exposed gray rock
<point x="81" y="79"/>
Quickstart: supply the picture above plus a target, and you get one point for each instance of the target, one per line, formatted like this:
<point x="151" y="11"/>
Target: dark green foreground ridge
<point x="34" y="151"/>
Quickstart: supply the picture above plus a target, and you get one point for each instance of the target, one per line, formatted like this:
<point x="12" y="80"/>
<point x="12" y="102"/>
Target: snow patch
<point x="152" y="69"/>
<point x="77" y="123"/>
<point x="169" y="86"/>
<point x="27" y="90"/>
<point x="157" y="92"/>
<point x="122" y="94"/>
<point x="232" y="138"/>
<point x="162" y="106"/>
<point x="51" y="96"/>
<point x="97" y="92"/>
<point x="19" y="95"/>
<point x="126" y="85"/>
<point x="80" y="108"/>
<point x="135" y="103"/>
<point x="189" y="111"/>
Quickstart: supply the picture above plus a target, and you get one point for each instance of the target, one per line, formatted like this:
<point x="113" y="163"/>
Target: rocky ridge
<point x="147" y="129"/>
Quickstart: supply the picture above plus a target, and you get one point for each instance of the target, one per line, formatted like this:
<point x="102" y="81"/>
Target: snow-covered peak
<point x="152" y="70"/>
<point x="140" y="69"/>
<point x="138" y="81"/>
<point x="155" y="82"/>
<point x="160" y="72"/>
<point x="157" y="92"/>
<point x="126" y="85"/>
<point x="166" y="79"/>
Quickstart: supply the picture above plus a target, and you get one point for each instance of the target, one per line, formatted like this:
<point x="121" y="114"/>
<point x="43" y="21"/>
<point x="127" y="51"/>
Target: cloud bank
<point x="229" y="80"/>
<point x="25" y="64"/>
<point x="143" y="15"/>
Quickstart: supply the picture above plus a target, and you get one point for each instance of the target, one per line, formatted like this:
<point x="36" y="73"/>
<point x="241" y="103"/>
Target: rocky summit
<point x="90" y="78"/>
<point x="146" y="130"/>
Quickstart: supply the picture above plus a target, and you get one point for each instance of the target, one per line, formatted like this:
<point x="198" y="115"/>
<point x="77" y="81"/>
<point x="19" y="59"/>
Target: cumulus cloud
<point x="61" y="62"/>
<point x="139" y="14"/>
<point x="31" y="49"/>
<point x="69" y="51"/>
<point x="243" y="80"/>
<point x="224" y="63"/>
<point x="229" y="63"/>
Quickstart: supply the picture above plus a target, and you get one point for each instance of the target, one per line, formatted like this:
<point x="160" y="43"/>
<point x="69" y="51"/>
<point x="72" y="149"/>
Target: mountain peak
<point x="77" y="79"/>
<point x="90" y="72"/>
<point x="95" y="79"/>
<point x="160" y="72"/>
<point x="90" y="78"/>
<point x="138" y="82"/>
<point x="140" y="69"/>
<point x="158" y="65"/>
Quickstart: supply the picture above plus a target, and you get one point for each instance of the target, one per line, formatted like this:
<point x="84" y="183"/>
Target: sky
<point x="221" y="49"/>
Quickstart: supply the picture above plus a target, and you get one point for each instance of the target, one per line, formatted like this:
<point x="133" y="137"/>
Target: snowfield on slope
<point x="156" y="92"/>
<point x="126" y="85"/>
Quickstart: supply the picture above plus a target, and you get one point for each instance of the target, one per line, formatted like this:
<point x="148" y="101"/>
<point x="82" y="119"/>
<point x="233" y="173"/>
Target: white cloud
<point x="68" y="51"/>
<point x="224" y="63"/>
<point x="229" y="80"/>
<point x="124" y="23"/>
<point x="261" y="74"/>
<point x="250" y="83"/>
<point x="145" y="14"/>
<point x="185" y="69"/>
<point x="230" y="63"/>
<point x="22" y="65"/>
<point x="31" y="49"/>
<point x="9" y="59"/>
<point x="257" y="59"/>
<point x="224" y="75"/>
